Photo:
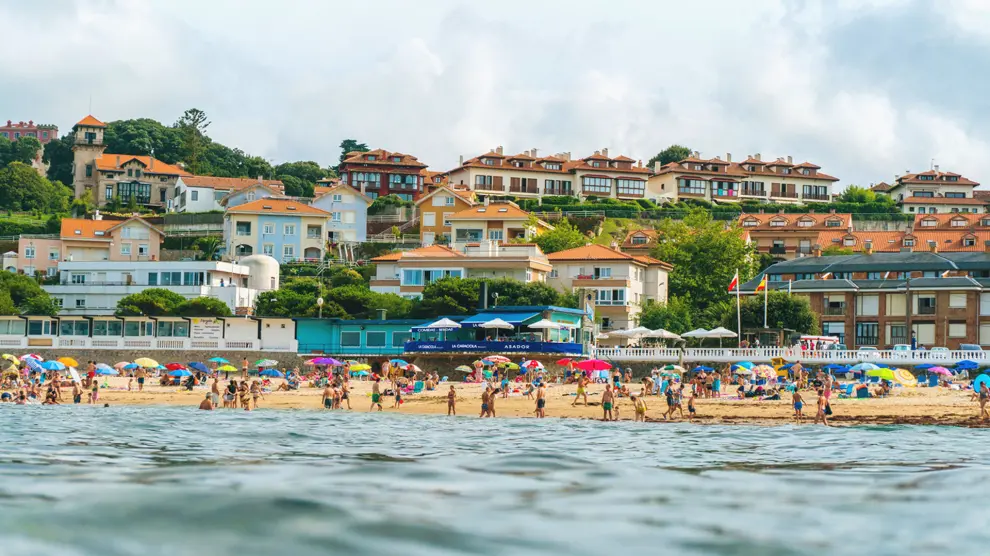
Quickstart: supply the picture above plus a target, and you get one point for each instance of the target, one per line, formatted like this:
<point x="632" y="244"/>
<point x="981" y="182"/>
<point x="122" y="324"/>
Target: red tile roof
<point x="109" y="162"/>
<point x="90" y="121"/>
<point x="494" y="211"/>
<point x="650" y="234"/>
<point x="229" y="184"/>
<point x="942" y="201"/>
<point x="938" y="178"/>
<point x="818" y="221"/>
<point x="740" y="170"/>
<point x="432" y="251"/>
<point x="949" y="220"/>
<point x="595" y="252"/>
<point x="278" y="206"/>
<point x="86" y="229"/>
<point x="382" y="157"/>
<point x="883" y="241"/>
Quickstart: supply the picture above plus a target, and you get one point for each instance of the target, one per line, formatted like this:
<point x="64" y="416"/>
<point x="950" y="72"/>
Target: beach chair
<point x="417" y="387"/>
<point x="863" y="393"/>
<point x="932" y="380"/>
<point x="444" y="379"/>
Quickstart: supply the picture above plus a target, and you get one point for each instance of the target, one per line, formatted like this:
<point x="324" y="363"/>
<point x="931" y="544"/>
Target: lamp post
<point x="319" y="303"/>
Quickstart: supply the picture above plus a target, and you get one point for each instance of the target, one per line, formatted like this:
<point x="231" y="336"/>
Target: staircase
<point x="388" y="234"/>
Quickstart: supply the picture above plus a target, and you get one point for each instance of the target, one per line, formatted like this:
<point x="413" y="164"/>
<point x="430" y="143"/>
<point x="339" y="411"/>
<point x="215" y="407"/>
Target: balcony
<point x="726" y="193"/>
<point x="894" y="340"/>
<point x="926" y="310"/>
<point x="866" y="340"/>
<point x="558" y="191"/>
<point x="778" y="250"/>
<point x="835" y="310"/>
<point x="592" y="281"/>
<point x="817" y="197"/>
<point x="785" y="194"/>
<point x="691" y="191"/>
<point x="754" y="192"/>
<point x="488" y="187"/>
<point x="636" y="194"/>
<point x="524" y="189"/>
<point x="610" y="302"/>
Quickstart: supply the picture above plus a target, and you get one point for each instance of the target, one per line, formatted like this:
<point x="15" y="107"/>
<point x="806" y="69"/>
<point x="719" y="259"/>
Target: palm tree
<point x="209" y="245"/>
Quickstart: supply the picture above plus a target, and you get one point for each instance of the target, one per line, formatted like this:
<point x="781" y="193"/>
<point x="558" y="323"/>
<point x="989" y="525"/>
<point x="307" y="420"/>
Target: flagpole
<point x="766" y="299"/>
<point x="738" y="308"/>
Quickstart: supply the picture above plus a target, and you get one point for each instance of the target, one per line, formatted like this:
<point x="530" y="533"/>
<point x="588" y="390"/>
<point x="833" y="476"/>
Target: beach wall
<point x="110" y="357"/>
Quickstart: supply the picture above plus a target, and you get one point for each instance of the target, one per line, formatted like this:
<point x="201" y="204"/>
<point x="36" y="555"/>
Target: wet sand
<point x="928" y="406"/>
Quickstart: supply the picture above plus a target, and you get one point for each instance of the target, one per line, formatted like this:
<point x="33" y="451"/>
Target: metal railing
<point x="766" y="354"/>
<point x="835" y="311"/>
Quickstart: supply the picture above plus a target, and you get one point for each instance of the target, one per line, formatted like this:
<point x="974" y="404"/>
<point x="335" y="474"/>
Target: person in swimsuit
<point x="639" y="404"/>
<point x="669" y="394"/>
<point x="215" y="392"/>
<point x="94" y="394"/>
<point x="608" y="398"/>
<point x="76" y="392"/>
<point x="327" y="398"/>
<point x="256" y="392"/>
<point x="228" y="399"/>
<point x="207" y="404"/>
<point x="822" y="404"/>
<point x="541" y="401"/>
<point x="691" y="410"/>
<point x="451" y="401"/>
<point x="529" y="391"/>
<point x="582" y="385"/>
<point x="485" y="398"/>
<point x="798" y="404"/>
<point x="345" y="389"/>
<point x="398" y="398"/>
<point x="491" y="402"/>
<point x="376" y="395"/>
<point x="984" y="398"/>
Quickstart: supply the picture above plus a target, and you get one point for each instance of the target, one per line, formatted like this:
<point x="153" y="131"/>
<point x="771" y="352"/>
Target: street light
<point x="319" y="303"/>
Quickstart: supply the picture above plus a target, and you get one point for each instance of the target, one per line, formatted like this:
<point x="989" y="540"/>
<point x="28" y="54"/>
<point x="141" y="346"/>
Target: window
<point x="152" y="278"/>
<point x="957" y="329"/>
<point x="372" y="157"/>
<point x="834" y="223"/>
<point x="288" y="251"/>
<point x="469" y="235"/>
<point x="89" y="170"/>
<point x="867" y="305"/>
<point x="268" y="229"/>
<point x="596" y="185"/>
<point x="375" y="339"/>
<point x="603" y="273"/>
<point x="959" y="222"/>
<point x="399" y="339"/>
<point x="412" y="277"/>
<point x="954" y="195"/>
<point x="108" y="194"/>
<point x="867" y="333"/>
<point x="487" y="161"/>
<point x="692" y="187"/>
<point x="908" y="242"/>
<point x="482" y="180"/>
<point x="289" y="229"/>
<point x="495" y="235"/>
<point x="335" y="217"/>
<point x="779" y="223"/>
<point x="250" y="196"/>
<point x="957" y="300"/>
<point x="640" y="240"/>
<point x="610" y="297"/>
<point x="244" y="229"/>
<point x="350" y="339"/>
<point x="367" y="180"/>
<point x="29" y="252"/>
<point x="107" y="328"/>
<point x="630" y="187"/>
<point x="81" y="303"/>
<point x="925" y="194"/>
<point x="849" y="241"/>
<point x="195" y="195"/>
<point x="395" y="159"/>
<point x="171" y="278"/>
<point x="446" y="218"/>
<point x="551" y="166"/>
<point x="142" y="250"/>
<point x="78" y="278"/>
<point x="969" y="241"/>
<point x="74" y="327"/>
<point x="337" y="198"/>
<point x="805" y="223"/>
<point x="192" y="278"/>
<point x="312" y="232"/>
<point x="429" y="219"/>
<point x="268" y="249"/>
<point x="140" y="192"/>
<point x="125" y="248"/>
<point x="924" y="304"/>
<point x="751" y="223"/>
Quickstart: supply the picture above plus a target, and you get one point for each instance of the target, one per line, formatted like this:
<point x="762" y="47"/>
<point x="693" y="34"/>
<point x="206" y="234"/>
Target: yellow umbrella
<point x="227" y="368"/>
<point x="905" y="377"/>
<point x="146" y="363"/>
<point x="361" y="367"/>
<point x="13" y="359"/>
<point x="68" y="361"/>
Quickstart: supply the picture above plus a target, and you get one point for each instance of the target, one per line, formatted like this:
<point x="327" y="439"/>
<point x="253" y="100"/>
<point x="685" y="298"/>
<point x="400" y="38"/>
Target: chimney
<point x="780" y="211"/>
<point x="567" y="156"/>
<point x="151" y="166"/>
<point x="260" y="178"/>
<point x="816" y="250"/>
<point x="487" y="199"/>
<point x="761" y="211"/>
<point x="757" y="157"/>
<point x="97" y="215"/>
<point x="605" y="153"/>
<point x="936" y="168"/>
<point x="696" y="154"/>
<point x="868" y="247"/>
<point x="462" y="161"/>
<point x="118" y="161"/>
<point x="728" y="157"/>
<point x="498" y="150"/>
<point x="656" y="167"/>
<point x="535" y="150"/>
<point x="790" y="160"/>
<point x="382" y="313"/>
<point x="598" y="152"/>
<point x="933" y="246"/>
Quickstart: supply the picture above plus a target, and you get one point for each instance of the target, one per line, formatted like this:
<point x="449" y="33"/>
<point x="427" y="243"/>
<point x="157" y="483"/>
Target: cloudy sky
<point x="865" y="88"/>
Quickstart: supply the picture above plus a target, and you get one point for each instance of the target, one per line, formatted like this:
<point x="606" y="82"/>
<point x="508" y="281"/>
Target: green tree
<point x="783" y="311"/>
<point x="513" y="292"/>
<point x="857" y="194"/>
<point x="209" y="245"/>
<point x="673" y="153"/>
<point x="202" y="307"/>
<point x="564" y="236"/>
<point x="152" y="302"/>
<point x="705" y="256"/>
<point x="192" y="129"/>
<point x="455" y="296"/>
<point x="833" y="250"/>
<point x="22" y="150"/>
<point x="142" y="136"/>
<point x="42" y="305"/>
<point x="7" y="307"/>
<point x="58" y="155"/>
<point x="25" y="295"/>
<point x="361" y="303"/>
<point x="674" y="315"/>
<point x="306" y="170"/>
<point x="83" y="205"/>
<point x="286" y="303"/>
<point x="22" y="188"/>
<point x="387" y="203"/>
<point x="346" y="277"/>
<point x="295" y="187"/>
<point x="349" y="146"/>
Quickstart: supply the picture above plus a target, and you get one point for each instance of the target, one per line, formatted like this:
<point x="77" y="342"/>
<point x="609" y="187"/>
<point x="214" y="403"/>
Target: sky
<point x="867" y="89"/>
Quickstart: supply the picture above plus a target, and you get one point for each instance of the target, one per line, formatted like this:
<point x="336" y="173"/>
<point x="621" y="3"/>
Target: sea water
<point x="168" y="480"/>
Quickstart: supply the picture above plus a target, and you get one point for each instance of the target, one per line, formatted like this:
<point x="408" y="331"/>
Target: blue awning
<point x="511" y="318"/>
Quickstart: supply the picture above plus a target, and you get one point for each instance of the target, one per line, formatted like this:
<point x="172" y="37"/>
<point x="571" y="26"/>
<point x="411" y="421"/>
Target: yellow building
<point x="501" y="221"/>
<point x="434" y="210"/>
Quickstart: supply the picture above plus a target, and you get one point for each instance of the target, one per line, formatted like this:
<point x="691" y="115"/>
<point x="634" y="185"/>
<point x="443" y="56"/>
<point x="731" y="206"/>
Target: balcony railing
<point x="785" y="194"/>
<point x="926" y="310"/>
<point x="726" y="193"/>
<point x="778" y="250"/>
<point x="558" y="191"/>
<point x="521" y="189"/>
<point x="816" y="197"/>
<point x="866" y="340"/>
<point x="600" y="277"/>
<point x="754" y="192"/>
<point x="612" y="302"/>
<point x="833" y="311"/>
<point x="894" y="340"/>
<point x="804" y="250"/>
<point x="488" y="187"/>
<point x="690" y="191"/>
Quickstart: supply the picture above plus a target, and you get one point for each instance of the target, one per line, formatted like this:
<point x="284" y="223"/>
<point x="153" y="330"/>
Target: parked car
<point x="970" y="347"/>
<point x="902" y="347"/>
<point x="836" y="347"/>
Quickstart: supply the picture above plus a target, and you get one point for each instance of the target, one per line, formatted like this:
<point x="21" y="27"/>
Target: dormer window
<point x="929" y="223"/>
<point x="751" y="168"/>
<point x="372" y="157"/>
<point x="833" y="223"/>
<point x="805" y="223"/>
<point x="698" y="167"/>
<point x="596" y="164"/>
<point x="487" y="161"/>
<point x="397" y="159"/>
<point x="806" y="171"/>
<point x="985" y="222"/>
<point x="552" y="166"/>
<point x="99" y="232"/>
<point x="751" y="222"/>
<point x="952" y="178"/>
<point x="785" y="170"/>
<point x="639" y="240"/>
<point x="778" y="223"/>
<point x="908" y="242"/>
<point x="969" y="241"/>
<point x="959" y="222"/>
<point x="849" y="241"/>
<point x="926" y="178"/>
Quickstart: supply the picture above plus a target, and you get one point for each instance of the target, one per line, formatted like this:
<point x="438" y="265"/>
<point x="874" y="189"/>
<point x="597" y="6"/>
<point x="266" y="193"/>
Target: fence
<point x="765" y="355"/>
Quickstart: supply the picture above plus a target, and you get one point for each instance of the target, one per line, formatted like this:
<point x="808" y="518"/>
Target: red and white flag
<point x="734" y="284"/>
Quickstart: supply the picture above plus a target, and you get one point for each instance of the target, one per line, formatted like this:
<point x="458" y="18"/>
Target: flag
<point x="734" y="284"/>
<point x="763" y="284"/>
<point x="945" y="274"/>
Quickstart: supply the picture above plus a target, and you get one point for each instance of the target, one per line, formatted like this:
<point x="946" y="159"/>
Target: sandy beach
<point x="929" y="406"/>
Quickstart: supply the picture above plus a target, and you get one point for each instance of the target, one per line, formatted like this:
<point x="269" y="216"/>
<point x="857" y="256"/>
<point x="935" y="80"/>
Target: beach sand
<point x="929" y="406"/>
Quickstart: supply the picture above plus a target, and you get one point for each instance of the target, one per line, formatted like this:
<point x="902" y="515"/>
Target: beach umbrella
<point x="720" y="333"/>
<point x="940" y="371"/>
<point x="764" y="371"/>
<point x="12" y="359"/>
<point x="443" y="323"/>
<point x="271" y="373"/>
<point x="121" y="365"/>
<point x="545" y="324"/>
<point x="68" y="361"/>
<point x="270" y="363"/>
<point x="594" y="365"/>
<point x="103" y="369"/>
<point x="315" y="361"/>
<point x="413" y="368"/>
<point x="744" y="364"/>
<point x="227" y="368"/>
<point x="496" y="359"/>
<point x="199" y="366"/>
<point x="883" y="374"/>
<point x="464" y="368"/>
<point x="132" y="366"/>
<point x="696" y="333"/>
<point x="864" y="367"/>
<point x="52" y="366"/>
<point x="399" y="362"/>
<point x="362" y="373"/>
<point x="836" y="367"/>
<point x="510" y="366"/>
<point x="700" y="368"/>
<point x="565" y="361"/>
<point x="220" y="360"/>
<point x="34" y="356"/>
<point x="497" y="324"/>
<point x="532" y="364"/>
<point x="924" y="366"/>
<point x="664" y="335"/>
<point x="175" y="366"/>
<point x="75" y="375"/>
<point x="787" y="365"/>
<point x="32" y="364"/>
<point x="742" y="371"/>
<point x="980" y="380"/>
<point x="180" y="372"/>
<point x="905" y="377"/>
<point x="674" y="369"/>
<point x="361" y="367"/>
<point x="967" y="365"/>
<point x="146" y="362"/>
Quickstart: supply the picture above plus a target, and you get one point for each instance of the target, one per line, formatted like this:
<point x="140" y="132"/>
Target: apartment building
<point x="379" y="172"/>
<point x="282" y="228"/>
<point x="718" y="180"/>
<point x="83" y="239"/>
<point x="529" y="175"/>
<point x="618" y="283"/>
<point x="501" y="221"/>
<point x="204" y="193"/>
<point x="435" y="208"/>
<point x="786" y="236"/>
<point x="144" y="180"/>
<point x="933" y="192"/>
<point x="946" y="232"/>
<point x="348" y="210"/>
<point x="15" y="130"/>
<point x="884" y="299"/>
<point x="406" y="272"/>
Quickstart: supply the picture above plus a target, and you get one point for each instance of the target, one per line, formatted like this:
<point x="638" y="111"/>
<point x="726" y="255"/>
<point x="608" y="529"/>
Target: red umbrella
<point x="175" y="366"/>
<point x="565" y="361"/>
<point x="593" y="365"/>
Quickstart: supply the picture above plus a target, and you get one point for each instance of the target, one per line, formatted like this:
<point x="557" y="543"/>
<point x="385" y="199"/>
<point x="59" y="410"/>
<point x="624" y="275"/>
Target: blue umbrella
<point x="399" y="362"/>
<point x="980" y="380"/>
<point x="744" y="364"/>
<point x="924" y="366"/>
<point x="180" y="372"/>
<point x="967" y="365"/>
<point x="52" y="366"/>
<point x="787" y="365"/>
<point x="132" y="366"/>
<point x="272" y="373"/>
<point x="702" y="368"/>
<point x="864" y="367"/>
<point x="106" y="370"/>
<point x="32" y="364"/>
<point x="199" y="366"/>
<point x="835" y="367"/>
<point x="220" y="360"/>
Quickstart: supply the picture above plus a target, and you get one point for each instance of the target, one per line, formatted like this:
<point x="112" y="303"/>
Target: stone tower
<point x="87" y="148"/>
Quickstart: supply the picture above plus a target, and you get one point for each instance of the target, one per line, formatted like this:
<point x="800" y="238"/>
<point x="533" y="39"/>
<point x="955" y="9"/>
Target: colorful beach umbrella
<point x="174" y="366"/>
<point x="103" y="369"/>
<point x="52" y="366"/>
<point x="266" y="363"/>
<point x="532" y="364"/>
<point x="199" y="366"/>
<point x="219" y="360"/>
<point x="399" y="362"/>
<point x="361" y="367"/>
<point x="68" y="361"/>
<point x="836" y="367"/>
<point x="980" y="380"/>
<point x="744" y="364"/>
<point x="227" y="368"/>
<point x="924" y="366"/>
<point x="34" y="356"/>
<point x="146" y="362"/>
<point x="594" y="365"/>
<point x="967" y="365"/>
<point x="673" y="369"/>
<point x="864" y="367"/>
<point x="882" y="374"/>
<point x="13" y="359"/>
<point x="324" y="361"/>
<point x="32" y="364"/>
<point x="464" y="368"/>
<point x="939" y="371"/>
<point x="180" y="372"/>
<point x="700" y="368"/>
<point x="565" y="361"/>
<point x="271" y="373"/>
<point x="122" y="365"/>
<point x="132" y="366"/>
<point x="497" y="359"/>
<point x="905" y="377"/>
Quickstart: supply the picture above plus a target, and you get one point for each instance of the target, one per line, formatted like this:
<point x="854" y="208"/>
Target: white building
<point x="94" y="288"/>
<point x="204" y="193"/>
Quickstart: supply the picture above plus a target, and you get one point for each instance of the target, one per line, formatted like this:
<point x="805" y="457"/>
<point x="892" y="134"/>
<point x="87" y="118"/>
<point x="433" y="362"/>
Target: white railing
<point x="13" y="343"/>
<point x="765" y="355"/>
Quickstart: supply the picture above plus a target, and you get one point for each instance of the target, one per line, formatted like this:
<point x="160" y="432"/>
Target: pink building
<point x="14" y="131"/>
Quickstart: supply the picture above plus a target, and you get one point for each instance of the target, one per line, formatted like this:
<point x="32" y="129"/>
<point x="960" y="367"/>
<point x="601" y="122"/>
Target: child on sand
<point x="398" y="398"/>
<point x="798" y="404"/>
<point x="94" y="395"/>
<point x="376" y="395"/>
<point x="608" y="399"/>
<point x="691" y="410"/>
<point x="639" y="404"/>
<point x="822" y="405"/>
<point x="327" y="398"/>
<point x="451" y="401"/>
<point x="541" y="401"/>
<point x="529" y="391"/>
<point x="582" y="384"/>
<point x="130" y="382"/>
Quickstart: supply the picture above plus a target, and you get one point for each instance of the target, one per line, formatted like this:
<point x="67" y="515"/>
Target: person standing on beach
<point x="327" y="399"/>
<point x="485" y="400"/>
<point x="798" y="404"/>
<point x="244" y="369"/>
<point x="822" y="404"/>
<point x="376" y="395"/>
<point x="451" y="401"/>
<point x="76" y="392"/>
<point x="691" y="410"/>
<point x="215" y="391"/>
<point x="94" y="395"/>
<point x="541" y="401"/>
<point x="491" y="402"/>
<point x="639" y="406"/>
<point x="582" y="390"/>
<point x="608" y="398"/>
<point x="984" y="397"/>
<point x="345" y="392"/>
<point x="139" y="374"/>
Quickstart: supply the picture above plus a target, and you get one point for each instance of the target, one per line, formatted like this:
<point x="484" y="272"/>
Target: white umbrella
<point x="546" y="324"/>
<point x="496" y="324"/>
<point x="666" y="334"/>
<point x="720" y="333"/>
<point x="443" y="323"/>
<point x="696" y="333"/>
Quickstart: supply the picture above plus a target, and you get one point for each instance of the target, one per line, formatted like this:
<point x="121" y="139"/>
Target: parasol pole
<point x="738" y="310"/>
